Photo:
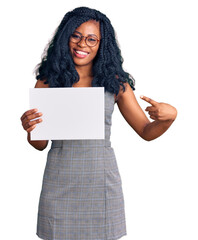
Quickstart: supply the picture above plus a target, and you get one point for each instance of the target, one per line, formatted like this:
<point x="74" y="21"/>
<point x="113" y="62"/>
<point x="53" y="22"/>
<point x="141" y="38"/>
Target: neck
<point x="84" y="71"/>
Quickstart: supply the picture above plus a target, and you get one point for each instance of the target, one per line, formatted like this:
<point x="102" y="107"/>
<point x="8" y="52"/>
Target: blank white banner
<point x="68" y="113"/>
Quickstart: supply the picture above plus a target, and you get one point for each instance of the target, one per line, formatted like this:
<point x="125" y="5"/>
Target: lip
<point x="80" y="55"/>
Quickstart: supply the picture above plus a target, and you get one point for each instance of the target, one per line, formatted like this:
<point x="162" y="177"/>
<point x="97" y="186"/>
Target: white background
<point x="159" y="43"/>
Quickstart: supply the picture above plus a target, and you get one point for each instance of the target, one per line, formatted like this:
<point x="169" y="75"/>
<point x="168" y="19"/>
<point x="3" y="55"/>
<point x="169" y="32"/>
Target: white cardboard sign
<point x="68" y="113"/>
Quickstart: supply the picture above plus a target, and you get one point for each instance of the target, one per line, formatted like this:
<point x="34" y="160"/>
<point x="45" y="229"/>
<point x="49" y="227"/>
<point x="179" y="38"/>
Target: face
<point x="81" y="53"/>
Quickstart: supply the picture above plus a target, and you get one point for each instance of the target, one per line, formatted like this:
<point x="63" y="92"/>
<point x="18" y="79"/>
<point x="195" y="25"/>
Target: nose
<point x="82" y="42"/>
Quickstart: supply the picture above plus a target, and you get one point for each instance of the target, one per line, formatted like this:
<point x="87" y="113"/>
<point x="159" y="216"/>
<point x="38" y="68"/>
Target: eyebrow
<point x="88" y="34"/>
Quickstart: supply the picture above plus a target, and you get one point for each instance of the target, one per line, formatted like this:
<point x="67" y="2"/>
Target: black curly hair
<point x="57" y="67"/>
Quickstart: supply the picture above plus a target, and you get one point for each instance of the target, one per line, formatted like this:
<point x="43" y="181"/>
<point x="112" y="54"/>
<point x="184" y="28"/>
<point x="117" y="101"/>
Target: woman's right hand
<point x="27" y="119"/>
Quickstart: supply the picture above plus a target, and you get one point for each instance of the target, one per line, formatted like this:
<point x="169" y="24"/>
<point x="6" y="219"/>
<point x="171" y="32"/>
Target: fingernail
<point x="141" y="96"/>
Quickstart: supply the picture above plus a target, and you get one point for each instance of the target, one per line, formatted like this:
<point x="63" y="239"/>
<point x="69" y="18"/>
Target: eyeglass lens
<point x="90" y="40"/>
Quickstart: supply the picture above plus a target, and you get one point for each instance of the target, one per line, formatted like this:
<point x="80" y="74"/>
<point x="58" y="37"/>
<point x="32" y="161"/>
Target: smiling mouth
<point x="80" y="54"/>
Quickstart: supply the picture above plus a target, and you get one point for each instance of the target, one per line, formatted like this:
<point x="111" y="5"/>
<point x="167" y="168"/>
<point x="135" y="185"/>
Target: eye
<point x="75" y="36"/>
<point x="92" y="39"/>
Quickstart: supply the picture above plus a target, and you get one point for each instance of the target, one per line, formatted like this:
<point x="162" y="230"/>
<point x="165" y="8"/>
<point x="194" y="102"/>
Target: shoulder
<point x="41" y="84"/>
<point x="124" y="94"/>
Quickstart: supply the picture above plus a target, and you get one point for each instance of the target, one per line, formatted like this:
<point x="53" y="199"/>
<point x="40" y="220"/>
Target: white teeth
<point x="82" y="53"/>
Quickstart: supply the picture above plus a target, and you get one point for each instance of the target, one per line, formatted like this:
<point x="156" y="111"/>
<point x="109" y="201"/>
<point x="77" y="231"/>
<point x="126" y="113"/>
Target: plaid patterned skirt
<point x="81" y="196"/>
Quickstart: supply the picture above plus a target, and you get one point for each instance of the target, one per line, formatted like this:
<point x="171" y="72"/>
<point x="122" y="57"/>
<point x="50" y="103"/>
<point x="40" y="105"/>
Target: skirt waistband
<point x="81" y="143"/>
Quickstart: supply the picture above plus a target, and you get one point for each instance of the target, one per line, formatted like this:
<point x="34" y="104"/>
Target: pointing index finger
<point x="149" y="100"/>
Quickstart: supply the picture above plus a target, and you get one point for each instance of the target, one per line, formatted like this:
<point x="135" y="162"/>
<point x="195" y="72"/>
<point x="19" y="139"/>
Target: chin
<point x="82" y="62"/>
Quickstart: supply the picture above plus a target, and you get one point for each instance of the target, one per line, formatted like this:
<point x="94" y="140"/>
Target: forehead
<point x="89" y="27"/>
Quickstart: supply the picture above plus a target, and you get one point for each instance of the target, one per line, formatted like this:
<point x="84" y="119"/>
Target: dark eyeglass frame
<point x="81" y="36"/>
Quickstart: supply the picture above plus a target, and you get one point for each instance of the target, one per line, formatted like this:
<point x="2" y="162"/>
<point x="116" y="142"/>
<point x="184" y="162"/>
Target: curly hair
<point x="57" y="67"/>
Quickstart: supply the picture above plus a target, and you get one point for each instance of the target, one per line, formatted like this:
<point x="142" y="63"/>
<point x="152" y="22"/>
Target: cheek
<point x="95" y="51"/>
<point x="70" y="47"/>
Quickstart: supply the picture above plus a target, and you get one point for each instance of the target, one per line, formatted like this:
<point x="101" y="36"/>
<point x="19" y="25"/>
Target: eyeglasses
<point x="90" y="40"/>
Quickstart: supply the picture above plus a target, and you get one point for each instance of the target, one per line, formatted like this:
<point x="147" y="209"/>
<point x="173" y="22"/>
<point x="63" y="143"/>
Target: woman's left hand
<point x="160" y="111"/>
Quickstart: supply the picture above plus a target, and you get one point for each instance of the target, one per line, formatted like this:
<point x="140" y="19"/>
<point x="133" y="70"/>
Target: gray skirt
<point x="81" y="196"/>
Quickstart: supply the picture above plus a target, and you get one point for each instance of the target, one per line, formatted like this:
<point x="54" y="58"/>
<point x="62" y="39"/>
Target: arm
<point x="39" y="145"/>
<point x="155" y="129"/>
<point x="163" y="115"/>
<point x="30" y="125"/>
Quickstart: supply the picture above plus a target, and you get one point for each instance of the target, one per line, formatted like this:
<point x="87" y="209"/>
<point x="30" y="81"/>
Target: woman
<point x="81" y="195"/>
